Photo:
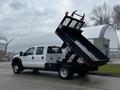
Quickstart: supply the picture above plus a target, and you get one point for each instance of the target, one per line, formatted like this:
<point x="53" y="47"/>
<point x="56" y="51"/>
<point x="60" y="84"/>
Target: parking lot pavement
<point x="50" y="81"/>
<point x="5" y="64"/>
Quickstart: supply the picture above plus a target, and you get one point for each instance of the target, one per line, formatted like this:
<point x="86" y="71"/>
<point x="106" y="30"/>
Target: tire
<point x="17" y="68"/>
<point x="65" y="73"/>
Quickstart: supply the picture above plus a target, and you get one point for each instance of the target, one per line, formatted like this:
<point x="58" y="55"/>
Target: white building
<point x="108" y="32"/>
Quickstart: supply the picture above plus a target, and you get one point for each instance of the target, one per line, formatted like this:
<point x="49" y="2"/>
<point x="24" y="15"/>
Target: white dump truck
<point x="51" y="58"/>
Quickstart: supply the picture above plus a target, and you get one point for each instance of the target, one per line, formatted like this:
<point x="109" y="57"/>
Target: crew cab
<point x="38" y="57"/>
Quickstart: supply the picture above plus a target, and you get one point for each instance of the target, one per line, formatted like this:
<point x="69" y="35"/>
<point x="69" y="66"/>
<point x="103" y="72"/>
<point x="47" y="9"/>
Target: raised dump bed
<point x="69" y="31"/>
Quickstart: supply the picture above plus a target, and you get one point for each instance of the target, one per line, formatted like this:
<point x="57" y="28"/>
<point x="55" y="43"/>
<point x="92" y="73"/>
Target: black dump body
<point x="69" y="31"/>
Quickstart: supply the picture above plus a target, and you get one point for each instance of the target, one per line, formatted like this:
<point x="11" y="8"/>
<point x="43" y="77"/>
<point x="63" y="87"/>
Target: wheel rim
<point x="64" y="72"/>
<point x="16" y="68"/>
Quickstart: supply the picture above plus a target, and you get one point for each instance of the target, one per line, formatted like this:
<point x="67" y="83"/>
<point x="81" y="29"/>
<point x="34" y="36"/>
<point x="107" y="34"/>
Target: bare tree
<point x="116" y="16"/>
<point x="100" y="15"/>
<point x="116" y="13"/>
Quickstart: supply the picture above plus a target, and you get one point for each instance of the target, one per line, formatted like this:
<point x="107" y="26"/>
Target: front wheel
<point x="65" y="73"/>
<point x="16" y="68"/>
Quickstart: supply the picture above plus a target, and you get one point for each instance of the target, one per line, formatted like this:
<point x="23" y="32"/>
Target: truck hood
<point x="17" y="55"/>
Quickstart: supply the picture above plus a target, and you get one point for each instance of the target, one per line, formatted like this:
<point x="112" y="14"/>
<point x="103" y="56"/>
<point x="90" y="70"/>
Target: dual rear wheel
<point x="65" y="72"/>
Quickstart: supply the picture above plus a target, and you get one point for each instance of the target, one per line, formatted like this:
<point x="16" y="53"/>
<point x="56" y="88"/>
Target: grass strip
<point x="109" y="69"/>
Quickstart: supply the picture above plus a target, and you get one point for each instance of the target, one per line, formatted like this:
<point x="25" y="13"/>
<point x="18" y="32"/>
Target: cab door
<point x="28" y="57"/>
<point x="39" y="57"/>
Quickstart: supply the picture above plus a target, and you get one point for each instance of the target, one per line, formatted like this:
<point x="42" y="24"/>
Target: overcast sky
<point x="28" y="17"/>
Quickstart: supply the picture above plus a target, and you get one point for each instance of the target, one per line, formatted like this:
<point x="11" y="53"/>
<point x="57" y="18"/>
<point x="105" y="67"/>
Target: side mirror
<point x="21" y="53"/>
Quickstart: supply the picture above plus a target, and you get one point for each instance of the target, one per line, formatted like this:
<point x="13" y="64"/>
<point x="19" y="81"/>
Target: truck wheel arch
<point x="17" y="60"/>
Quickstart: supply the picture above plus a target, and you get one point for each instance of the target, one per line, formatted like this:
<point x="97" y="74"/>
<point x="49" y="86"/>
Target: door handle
<point x="32" y="57"/>
<point x="42" y="57"/>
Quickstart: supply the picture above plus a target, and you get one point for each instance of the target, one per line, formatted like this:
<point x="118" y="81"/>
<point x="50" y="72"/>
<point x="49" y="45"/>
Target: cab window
<point x="39" y="50"/>
<point x="30" y="51"/>
<point x="54" y="50"/>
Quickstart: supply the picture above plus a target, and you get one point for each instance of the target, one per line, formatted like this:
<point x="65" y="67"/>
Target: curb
<point x="104" y="74"/>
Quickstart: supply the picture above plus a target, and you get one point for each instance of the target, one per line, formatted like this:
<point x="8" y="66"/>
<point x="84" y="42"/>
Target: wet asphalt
<point x="43" y="80"/>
